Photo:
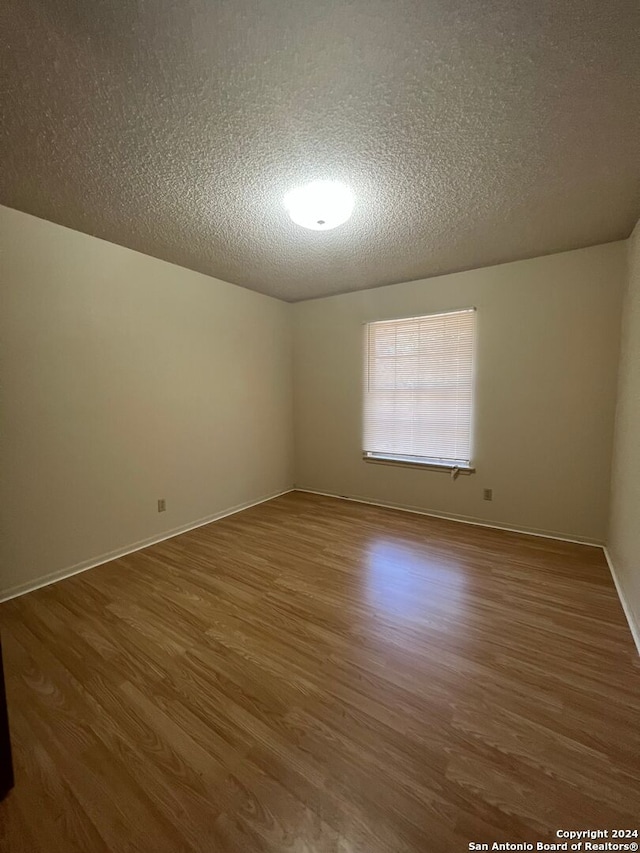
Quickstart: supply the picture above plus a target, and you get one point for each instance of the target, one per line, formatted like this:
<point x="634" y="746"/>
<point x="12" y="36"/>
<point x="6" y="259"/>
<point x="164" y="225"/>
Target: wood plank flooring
<point x="319" y="675"/>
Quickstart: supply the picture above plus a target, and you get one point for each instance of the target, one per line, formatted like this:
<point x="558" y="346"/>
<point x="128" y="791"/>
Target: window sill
<point x="430" y="466"/>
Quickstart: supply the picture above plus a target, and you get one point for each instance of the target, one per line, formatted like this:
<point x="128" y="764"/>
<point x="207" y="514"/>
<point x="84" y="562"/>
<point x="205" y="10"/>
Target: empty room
<point x="319" y="426"/>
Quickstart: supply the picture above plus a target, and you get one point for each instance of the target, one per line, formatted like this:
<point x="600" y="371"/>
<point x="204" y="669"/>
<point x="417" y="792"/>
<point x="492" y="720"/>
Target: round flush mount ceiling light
<point x="320" y="205"/>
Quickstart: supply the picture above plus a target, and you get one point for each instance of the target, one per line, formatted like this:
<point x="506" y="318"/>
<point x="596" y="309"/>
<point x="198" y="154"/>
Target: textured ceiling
<point x="471" y="131"/>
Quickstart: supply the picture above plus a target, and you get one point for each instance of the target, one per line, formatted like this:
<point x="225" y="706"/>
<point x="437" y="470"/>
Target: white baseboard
<point x="60" y="574"/>
<point x="633" y="625"/>
<point x="462" y="519"/>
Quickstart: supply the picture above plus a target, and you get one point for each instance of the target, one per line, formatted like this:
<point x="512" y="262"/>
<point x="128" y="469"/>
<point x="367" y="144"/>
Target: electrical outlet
<point x="487" y="494"/>
<point x="162" y="505"/>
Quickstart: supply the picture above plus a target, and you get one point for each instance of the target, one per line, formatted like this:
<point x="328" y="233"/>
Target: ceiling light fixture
<point x="320" y="205"/>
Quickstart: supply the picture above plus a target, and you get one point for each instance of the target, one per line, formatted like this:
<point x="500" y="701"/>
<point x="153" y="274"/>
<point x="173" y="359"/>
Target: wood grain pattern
<point x="318" y="675"/>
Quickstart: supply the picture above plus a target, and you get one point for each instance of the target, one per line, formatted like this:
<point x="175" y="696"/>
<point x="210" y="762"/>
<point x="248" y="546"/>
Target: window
<point x="418" y="393"/>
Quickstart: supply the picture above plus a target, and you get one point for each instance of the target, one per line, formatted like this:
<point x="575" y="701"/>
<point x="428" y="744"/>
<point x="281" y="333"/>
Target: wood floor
<point x="317" y="675"/>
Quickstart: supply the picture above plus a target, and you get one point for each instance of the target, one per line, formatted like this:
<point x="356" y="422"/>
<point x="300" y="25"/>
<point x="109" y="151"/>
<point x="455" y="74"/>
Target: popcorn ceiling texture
<point x="471" y="132"/>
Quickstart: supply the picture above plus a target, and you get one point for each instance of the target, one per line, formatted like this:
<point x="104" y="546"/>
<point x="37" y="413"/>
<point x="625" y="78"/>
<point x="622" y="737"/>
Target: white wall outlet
<point x="487" y="494"/>
<point x="162" y="505"/>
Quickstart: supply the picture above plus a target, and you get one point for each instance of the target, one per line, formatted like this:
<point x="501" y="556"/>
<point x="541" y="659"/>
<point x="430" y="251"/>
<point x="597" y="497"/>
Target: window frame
<point x="421" y="462"/>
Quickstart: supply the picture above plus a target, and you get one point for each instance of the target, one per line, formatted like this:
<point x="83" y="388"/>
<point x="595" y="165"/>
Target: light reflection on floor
<point x="411" y="584"/>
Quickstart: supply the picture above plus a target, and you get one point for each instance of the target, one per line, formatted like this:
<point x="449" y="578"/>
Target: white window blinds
<point x="418" y="393"/>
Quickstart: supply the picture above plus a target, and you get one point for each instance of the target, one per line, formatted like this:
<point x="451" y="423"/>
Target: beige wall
<point x="548" y="333"/>
<point x="624" y="529"/>
<point x="126" y="379"/>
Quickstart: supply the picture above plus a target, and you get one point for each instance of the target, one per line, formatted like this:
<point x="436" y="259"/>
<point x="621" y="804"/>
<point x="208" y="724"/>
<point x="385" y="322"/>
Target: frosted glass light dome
<point x="320" y="205"/>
